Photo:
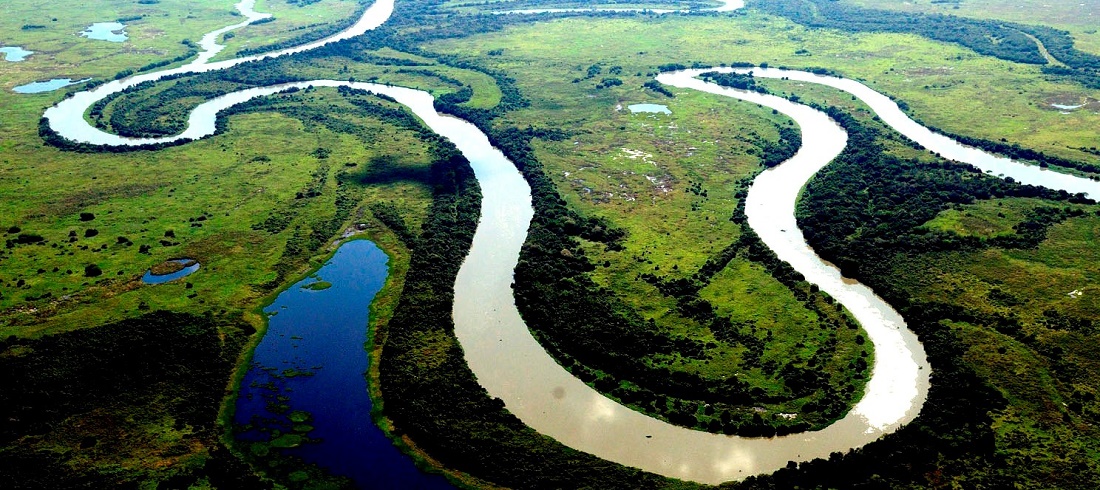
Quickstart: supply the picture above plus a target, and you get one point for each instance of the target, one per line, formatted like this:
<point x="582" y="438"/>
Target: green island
<point x="639" y="274"/>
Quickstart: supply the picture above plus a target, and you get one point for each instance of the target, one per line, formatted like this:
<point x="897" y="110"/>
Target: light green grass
<point x="61" y="52"/>
<point x="985" y="219"/>
<point x="142" y="195"/>
<point x="291" y="21"/>
<point x="1079" y="17"/>
<point x="945" y="85"/>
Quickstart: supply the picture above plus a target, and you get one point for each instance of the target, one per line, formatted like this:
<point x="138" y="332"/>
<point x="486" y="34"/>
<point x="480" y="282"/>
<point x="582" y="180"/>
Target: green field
<point x="263" y="203"/>
<point x="1079" y="17"/>
<point x="203" y="206"/>
<point x="157" y="35"/>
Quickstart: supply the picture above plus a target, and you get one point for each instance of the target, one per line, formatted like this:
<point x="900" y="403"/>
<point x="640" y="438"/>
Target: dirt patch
<point x="170" y="266"/>
<point x="1070" y="101"/>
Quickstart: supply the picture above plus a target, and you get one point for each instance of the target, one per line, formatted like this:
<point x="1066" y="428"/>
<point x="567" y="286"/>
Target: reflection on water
<point x="189" y="267"/>
<point x="312" y="361"/>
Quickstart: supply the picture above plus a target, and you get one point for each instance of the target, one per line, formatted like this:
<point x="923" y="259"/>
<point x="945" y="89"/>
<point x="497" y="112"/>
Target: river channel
<point x="512" y="366"/>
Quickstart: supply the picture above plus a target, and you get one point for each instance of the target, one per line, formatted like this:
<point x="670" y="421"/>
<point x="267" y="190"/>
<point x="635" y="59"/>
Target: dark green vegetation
<point x="431" y="396"/>
<point x="1009" y="373"/>
<point x="1008" y="41"/>
<point x="986" y="37"/>
<point x="131" y="401"/>
<point x="603" y="342"/>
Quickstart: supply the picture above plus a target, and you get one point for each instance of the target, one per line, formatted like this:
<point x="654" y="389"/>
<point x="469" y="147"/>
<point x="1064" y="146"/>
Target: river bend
<point x="508" y="361"/>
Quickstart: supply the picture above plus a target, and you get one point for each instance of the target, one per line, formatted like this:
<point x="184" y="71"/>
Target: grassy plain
<point x="291" y="21"/>
<point x="1080" y="17"/>
<point x="945" y="86"/>
<point x="207" y="196"/>
<point x="59" y="50"/>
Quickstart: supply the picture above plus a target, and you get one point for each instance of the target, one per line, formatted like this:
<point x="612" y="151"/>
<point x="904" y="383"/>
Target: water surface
<point x="106" y="31"/>
<point x="1067" y="107"/>
<point x="654" y="108"/>
<point x="47" y="86"/>
<point x="150" y="278"/>
<point x="313" y="353"/>
<point x="15" y="53"/>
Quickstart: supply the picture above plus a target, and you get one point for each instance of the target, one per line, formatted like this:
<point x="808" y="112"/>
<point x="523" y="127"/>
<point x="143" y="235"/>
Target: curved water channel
<point x="511" y="365"/>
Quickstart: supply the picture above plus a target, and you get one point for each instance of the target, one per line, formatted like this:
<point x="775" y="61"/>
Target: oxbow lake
<point x="313" y="353"/>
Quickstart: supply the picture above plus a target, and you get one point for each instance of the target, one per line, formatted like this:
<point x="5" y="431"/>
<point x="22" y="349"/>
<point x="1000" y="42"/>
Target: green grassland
<point x="985" y="219"/>
<point x="292" y="20"/>
<point x="1047" y="370"/>
<point x="1079" y="17"/>
<point x="945" y="86"/>
<point x="59" y="50"/>
<point x="208" y="196"/>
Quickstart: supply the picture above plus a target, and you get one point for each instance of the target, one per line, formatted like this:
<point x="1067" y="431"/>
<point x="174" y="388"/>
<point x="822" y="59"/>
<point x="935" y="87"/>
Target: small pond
<point x="47" y="86"/>
<point x="15" y="53"/>
<point x="1067" y="107"/>
<point x="189" y="267"/>
<point x="653" y="108"/>
<point x="307" y="378"/>
<point x="106" y="31"/>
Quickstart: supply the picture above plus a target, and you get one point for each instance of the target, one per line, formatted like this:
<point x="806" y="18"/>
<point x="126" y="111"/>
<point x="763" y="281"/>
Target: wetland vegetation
<point x="639" y="273"/>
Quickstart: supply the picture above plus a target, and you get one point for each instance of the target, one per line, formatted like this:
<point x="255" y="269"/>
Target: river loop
<point x="512" y="366"/>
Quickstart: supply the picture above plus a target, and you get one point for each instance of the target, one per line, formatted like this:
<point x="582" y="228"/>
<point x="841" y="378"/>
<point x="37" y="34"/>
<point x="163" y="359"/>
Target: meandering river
<point x="511" y="365"/>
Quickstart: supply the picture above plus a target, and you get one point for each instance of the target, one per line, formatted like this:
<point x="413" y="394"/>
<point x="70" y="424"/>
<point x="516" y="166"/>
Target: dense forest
<point x="104" y="391"/>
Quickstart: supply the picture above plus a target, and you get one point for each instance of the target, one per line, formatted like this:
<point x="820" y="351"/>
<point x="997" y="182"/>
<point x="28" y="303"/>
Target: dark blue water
<point x="150" y="278"/>
<point x="323" y="333"/>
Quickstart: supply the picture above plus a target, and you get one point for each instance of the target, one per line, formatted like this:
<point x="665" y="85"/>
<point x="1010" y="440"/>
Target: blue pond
<point x="150" y="278"/>
<point x="106" y="31"/>
<point x="47" y="86"/>
<point x="656" y="108"/>
<point x="322" y="333"/>
<point x="15" y="53"/>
